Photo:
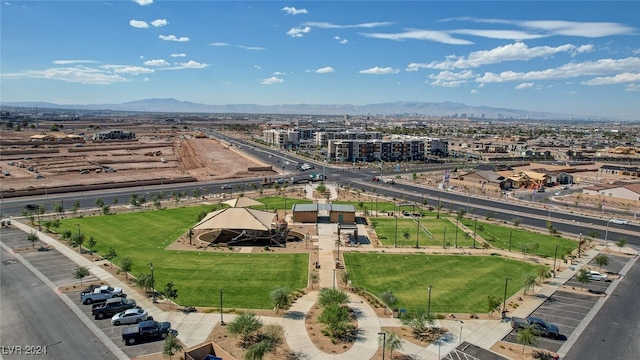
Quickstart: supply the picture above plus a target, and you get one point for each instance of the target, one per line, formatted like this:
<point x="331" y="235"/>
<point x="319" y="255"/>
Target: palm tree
<point x="143" y="281"/>
<point x="393" y="342"/>
<point x="530" y="282"/>
<point x="33" y="238"/>
<point x="280" y="298"/>
<point x="621" y="243"/>
<point x="258" y="351"/>
<point x="527" y="336"/>
<point x="543" y="272"/>
<point x="245" y="325"/>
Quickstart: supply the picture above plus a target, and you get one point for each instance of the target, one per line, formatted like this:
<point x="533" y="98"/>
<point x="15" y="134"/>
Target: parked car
<point x="389" y="181"/>
<point x="558" y="193"/>
<point x="130" y="316"/>
<point x="111" y="307"/>
<point x="597" y="276"/>
<point x="619" y="221"/>
<point x="101" y="294"/>
<point x="146" y="330"/>
<point x="85" y="171"/>
<point x="375" y="178"/>
<point x="40" y="177"/>
<point x="539" y="326"/>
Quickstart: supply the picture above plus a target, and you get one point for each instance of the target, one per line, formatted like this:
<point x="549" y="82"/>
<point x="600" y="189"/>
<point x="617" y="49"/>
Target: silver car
<point x="130" y="316"/>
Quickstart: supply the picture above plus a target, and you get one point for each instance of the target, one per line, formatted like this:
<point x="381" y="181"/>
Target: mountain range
<point x="443" y="109"/>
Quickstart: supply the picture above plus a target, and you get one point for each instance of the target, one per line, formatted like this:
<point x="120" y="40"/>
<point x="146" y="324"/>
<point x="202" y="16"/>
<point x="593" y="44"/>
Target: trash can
<point x="396" y="313"/>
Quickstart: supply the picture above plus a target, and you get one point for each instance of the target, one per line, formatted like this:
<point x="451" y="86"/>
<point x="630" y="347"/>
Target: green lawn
<point x="460" y="283"/>
<point x="498" y="236"/>
<point x="386" y="229"/>
<point x="279" y="203"/>
<point x="247" y="279"/>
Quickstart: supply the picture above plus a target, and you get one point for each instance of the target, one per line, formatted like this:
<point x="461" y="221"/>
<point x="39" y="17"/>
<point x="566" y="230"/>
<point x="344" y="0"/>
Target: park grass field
<point x="279" y="203"/>
<point x="498" y="236"/>
<point x="461" y="284"/>
<point x="386" y="229"/>
<point x="247" y="279"/>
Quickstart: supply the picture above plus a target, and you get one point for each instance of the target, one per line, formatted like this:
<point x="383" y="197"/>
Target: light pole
<point x="395" y="214"/>
<point x="78" y="225"/>
<point x="555" y="255"/>
<point x="221" y="318"/>
<point x="153" y="291"/>
<point x="504" y="304"/>
<point x="384" y="342"/>
<point x="457" y="221"/>
<point x="444" y="238"/>
<point x="580" y="244"/>
<point x="606" y="233"/>
<point x="418" y="233"/>
<point x="429" y="301"/>
<point x="510" y="237"/>
<point x="334" y="277"/>
<point x="475" y="225"/>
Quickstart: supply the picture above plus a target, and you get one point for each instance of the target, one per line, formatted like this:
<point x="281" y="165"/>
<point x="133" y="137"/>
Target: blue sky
<point x="569" y="57"/>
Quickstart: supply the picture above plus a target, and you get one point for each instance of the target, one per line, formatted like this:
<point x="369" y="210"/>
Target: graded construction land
<point x="156" y="156"/>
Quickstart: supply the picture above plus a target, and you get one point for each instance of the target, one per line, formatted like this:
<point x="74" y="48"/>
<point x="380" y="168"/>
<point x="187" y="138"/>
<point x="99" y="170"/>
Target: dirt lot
<point x="155" y="156"/>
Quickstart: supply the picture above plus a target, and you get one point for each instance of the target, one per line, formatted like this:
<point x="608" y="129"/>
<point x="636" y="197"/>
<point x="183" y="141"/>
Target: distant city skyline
<point x="570" y="57"/>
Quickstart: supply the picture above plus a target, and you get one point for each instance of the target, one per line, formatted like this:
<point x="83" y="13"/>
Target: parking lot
<point x="567" y="309"/>
<point x="59" y="269"/>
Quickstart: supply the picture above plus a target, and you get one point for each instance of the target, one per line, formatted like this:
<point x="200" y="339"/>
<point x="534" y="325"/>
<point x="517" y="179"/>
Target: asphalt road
<point x="33" y="315"/>
<point x="614" y="333"/>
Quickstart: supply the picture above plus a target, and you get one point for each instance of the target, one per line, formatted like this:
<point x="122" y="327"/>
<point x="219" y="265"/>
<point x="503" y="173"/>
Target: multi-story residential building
<point x="322" y="137"/>
<point x="289" y="139"/>
<point x="375" y="150"/>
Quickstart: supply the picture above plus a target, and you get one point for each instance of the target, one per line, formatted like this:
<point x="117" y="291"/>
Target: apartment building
<point x="375" y="150"/>
<point x="285" y="139"/>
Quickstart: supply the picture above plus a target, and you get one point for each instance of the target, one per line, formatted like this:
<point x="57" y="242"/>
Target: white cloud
<point x="430" y="35"/>
<point x="290" y="10"/>
<point x="582" y="49"/>
<point x="326" y="25"/>
<point x="616" y="79"/>
<point x="632" y="87"/>
<point x="298" y="32"/>
<point x="157" y="62"/>
<point x="138" y="24"/>
<point x="179" y="55"/>
<point x="76" y="74"/>
<point x="474" y="91"/>
<point x="127" y="69"/>
<point x="223" y="44"/>
<point x="257" y="67"/>
<point x="570" y="70"/>
<point x="498" y="34"/>
<point x="341" y="40"/>
<point x="192" y="65"/>
<point x="524" y="86"/>
<point x="272" y="80"/>
<point x="325" y="70"/>
<point x="71" y="62"/>
<point x="173" y="38"/>
<point x="451" y="79"/>
<point x="511" y="52"/>
<point x="583" y="29"/>
<point x="159" y="22"/>
<point x="143" y="2"/>
<point x="146" y="79"/>
<point x="379" y="71"/>
<point x="279" y="73"/>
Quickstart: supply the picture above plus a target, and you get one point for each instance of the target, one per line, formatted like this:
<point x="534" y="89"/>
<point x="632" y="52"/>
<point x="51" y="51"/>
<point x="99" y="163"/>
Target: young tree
<point x="99" y="203"/>
<point x="621" y="243"/>
<point x="245" y="325"/>
<point x="527" y="337"/>
<point x="583" y="277"/>
<point x="126" y="264"/>
<point x="75" y="206"/>
<point x="144" y="281"/>
<point x="110" y="255"/>
<point x="327" y="296"/>
<point x="493" y="303"/>
<point x="388" y="298"/>
<point x="530" y="282"/>
<point x="257" y="351"/>
<point x="171" y="346"/>
<point x="418" y="321"/>
<point x="57" y="207"/>
<point x="602" y="260"/>
<point x="106" y="210"/>
<point x="55" y="224"/>
<point x="80" y="273"/>
<point x="314" y="277"/>
<point x="77" y="239"/>
<point x="170" y="292"/>
<point x="543" y="272"/>
<point x="33" y="238"/>
<point x="280" y="298"/>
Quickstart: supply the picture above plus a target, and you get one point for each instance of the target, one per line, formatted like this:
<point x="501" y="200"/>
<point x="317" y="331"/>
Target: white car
<point x="619" y="221"/>
<point x="130" y="316"/>
<point x="596" y="276"/>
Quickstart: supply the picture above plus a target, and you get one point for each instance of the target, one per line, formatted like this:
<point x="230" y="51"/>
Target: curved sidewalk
<point x="365" y="346"/>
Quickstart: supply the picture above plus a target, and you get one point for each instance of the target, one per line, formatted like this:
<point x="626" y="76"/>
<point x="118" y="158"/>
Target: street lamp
<point x="429" y="302"/>
<point x="475" y="225"/>
<point x="504" y="304"/>
<point x="444" y="238"/>
<point x="555" y="255"/>
<point x="153" y="291"/>
<point x="334" y="277"/>
<point x="606" y="232"/>
<point x="457" y="221"/>
<point x="510" y="237"/>
<point x="221" y="317"/>
<point x="395" y="214"/>
<point x="384" y="342"/>
<point x="580" y="244"/>
<point x="418" y="232"/>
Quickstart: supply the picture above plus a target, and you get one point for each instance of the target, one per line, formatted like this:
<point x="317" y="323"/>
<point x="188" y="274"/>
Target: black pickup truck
<point x="540" y="327"/>
<point x="146" y="330"/>
<point x="112" y="307"/>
